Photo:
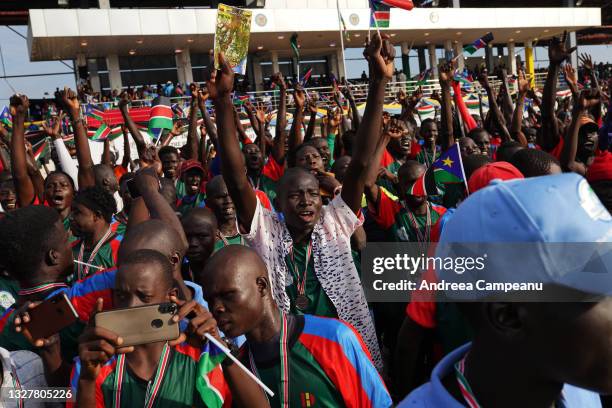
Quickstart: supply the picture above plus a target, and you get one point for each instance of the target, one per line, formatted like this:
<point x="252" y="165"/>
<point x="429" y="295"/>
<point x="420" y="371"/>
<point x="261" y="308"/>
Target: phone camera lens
<point x="157" y="323"/>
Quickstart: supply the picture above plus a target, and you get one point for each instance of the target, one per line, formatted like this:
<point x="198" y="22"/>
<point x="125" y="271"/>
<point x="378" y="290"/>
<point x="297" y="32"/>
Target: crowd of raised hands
<point x="315" y="191"/>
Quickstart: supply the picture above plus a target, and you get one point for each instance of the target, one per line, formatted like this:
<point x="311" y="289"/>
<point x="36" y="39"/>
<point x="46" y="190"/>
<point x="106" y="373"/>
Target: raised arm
<point x="295" y="133"/>
<point x="557" y="53"/>
<point x="86" y="174"/>
<point x="19" y="167"/>
<point x="106" y="153"/>
<point x="348" y="94"/>
<point x="446" y="78"/>
<point x="380" y="55"/>
<point x="586" y="100"/>
<point x="211" y="128"/>
<point x="517" y="117"/>
<point x="260" y="114"/>
<point x="589" y="67"/>
<point x="495" y="112"/>
<point x="280" y="138"/>
<point x="148" y="185"/>
<point x="192" y="132"/>
<point x="312" y="108"/>
<point x="232" y="161"/>
<point x="570" y="79"/>
<point x="141" y="145"/>
<point x="127" y="151"/>
<point x="506" y="99"/>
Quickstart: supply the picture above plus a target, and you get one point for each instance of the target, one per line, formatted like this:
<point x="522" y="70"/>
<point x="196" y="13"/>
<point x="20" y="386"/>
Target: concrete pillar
<point x="333" y="62"/>
<point x="405" y="58"/>
<point x="114" y="75"/>
<point x="274" y="60"/>
<point x="104" y="4"/>
<point x="456" y="4"/>
<point x="422" y="61"/>
<point x="257" y="75"/>
<point x="529" y="62"/>
<point x="341" y="68"/>
<point x="94" y="78"/>
<point x="489" y="59"/>
<point x="574" y="56"/>
<point x="81" y="68"/>
<point x="433" y="60"/>
<point x="572" y="38"/>
<point x="448" y="50"/>
<point x="183" y="67"/>
<point x="458" y="46"/>
<point x="511" y="63"/>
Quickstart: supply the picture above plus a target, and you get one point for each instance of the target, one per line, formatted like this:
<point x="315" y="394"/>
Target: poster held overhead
<point x="232" y="37"/>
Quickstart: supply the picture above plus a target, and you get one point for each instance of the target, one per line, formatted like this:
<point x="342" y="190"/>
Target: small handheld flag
<point x="447" y="169"/>
<point x="403" y="4"/>
<point x="479" y="43"/>
<point x="101" y="134"/>
<point x="6" y="118"/>
<point x="306" y="77"/>
<point x="161" y="117"/>
<point x="42" y="149"/>
<point x="380" y="15"/>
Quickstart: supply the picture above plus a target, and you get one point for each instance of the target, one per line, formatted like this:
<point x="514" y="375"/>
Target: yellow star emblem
<point x="447" y="162"/>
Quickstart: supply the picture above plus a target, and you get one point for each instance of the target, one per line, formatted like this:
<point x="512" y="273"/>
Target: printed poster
<point x="232" y="36"/>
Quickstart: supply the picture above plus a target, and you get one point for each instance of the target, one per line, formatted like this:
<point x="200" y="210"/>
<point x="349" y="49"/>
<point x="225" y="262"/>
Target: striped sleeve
<point x="341" y="353"/>
<point x="83" y="294"/>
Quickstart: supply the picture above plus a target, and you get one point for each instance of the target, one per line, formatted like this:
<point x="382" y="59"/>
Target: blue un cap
<point x="549" y="230"/>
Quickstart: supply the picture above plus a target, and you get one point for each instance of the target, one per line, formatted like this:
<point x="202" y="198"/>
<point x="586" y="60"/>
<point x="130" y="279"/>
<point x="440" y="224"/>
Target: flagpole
<point x="341" y="38"/>
<point x="248" y="372"/>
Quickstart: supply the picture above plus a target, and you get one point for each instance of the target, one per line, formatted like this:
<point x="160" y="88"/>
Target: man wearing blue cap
<point x="530" y="354"/>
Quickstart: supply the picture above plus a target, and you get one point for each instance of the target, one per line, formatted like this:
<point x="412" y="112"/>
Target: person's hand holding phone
<point x="98" y="345"/>
<point x="200" y="321"/>
<point x="22" y="317"/>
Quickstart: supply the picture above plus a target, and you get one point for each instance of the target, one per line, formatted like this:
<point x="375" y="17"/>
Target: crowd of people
<point x="259" y="242"/>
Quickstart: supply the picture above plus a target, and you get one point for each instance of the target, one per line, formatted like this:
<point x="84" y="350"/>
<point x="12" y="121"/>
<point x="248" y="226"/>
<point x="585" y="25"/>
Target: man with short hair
<point x="326" y="362"/>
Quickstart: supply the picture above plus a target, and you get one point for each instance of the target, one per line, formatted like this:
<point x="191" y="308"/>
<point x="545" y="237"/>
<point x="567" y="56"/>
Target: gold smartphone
<point x="141" y="324"/>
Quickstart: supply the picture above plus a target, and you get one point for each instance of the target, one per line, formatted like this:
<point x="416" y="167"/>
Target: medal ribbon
<point x="301" y="283"/>
<point x="16" y="385"/>
<point x="41" y="288"/>
<point x="464" y="386"/>
<point x="284" y="363"/>
<point x="421" y="237"/>
<point x="152" y="392"/>
<point x="80" y="273"/>
<point x="226" y="242"/>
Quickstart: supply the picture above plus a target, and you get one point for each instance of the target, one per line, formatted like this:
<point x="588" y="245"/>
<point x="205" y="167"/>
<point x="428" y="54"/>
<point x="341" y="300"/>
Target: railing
<point x="360" y="90"/>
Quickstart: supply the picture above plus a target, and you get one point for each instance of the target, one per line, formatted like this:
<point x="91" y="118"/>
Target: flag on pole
<point x="306" y="77"/>
<point x="6" y="118"/>
<point x="161" y="117"/>
<point x="423" y="77"/>
<point x="210" y="382"/>
<point x="41" y="149"/>
<point x="294" y="46"/>
<point x="446" y="170"/>
<point x="479" y="43"/>
<point x="101" y="133"/>
<point x="403" y="4"/>
<point x="345" y="33"/>
<point x="380" y="14"/>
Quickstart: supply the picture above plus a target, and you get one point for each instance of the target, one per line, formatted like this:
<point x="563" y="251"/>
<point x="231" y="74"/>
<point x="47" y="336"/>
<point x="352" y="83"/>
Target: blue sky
<point x="16" y="62"/>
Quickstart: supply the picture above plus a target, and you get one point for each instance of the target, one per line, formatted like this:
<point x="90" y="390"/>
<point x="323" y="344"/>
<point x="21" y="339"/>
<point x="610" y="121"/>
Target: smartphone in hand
<point x="51" y="316"/>
<point x="141" y="324"/>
